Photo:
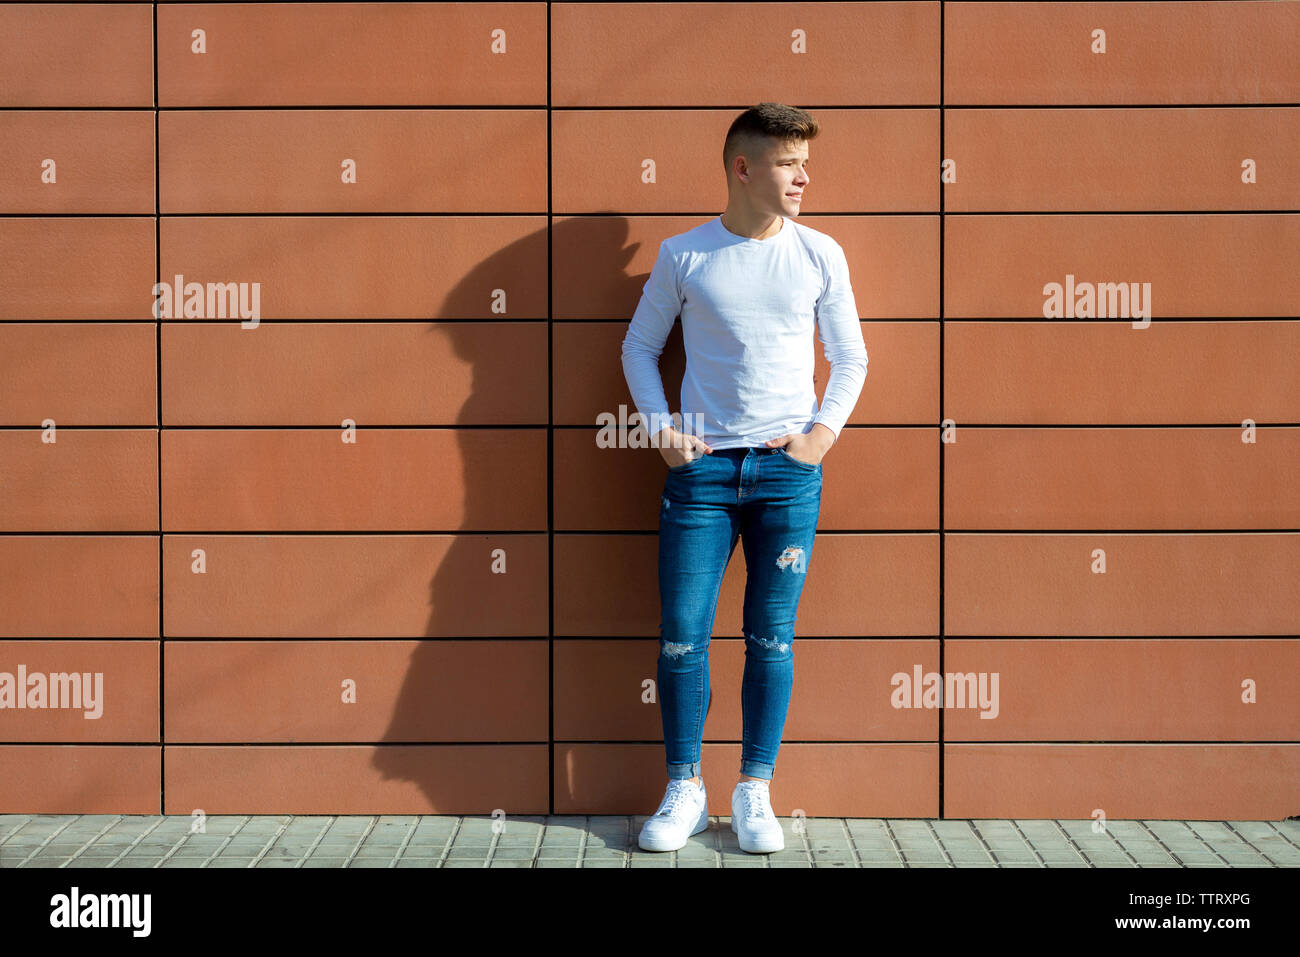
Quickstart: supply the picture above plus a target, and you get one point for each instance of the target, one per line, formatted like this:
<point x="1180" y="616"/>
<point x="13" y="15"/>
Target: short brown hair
<point x="775" y="120"/>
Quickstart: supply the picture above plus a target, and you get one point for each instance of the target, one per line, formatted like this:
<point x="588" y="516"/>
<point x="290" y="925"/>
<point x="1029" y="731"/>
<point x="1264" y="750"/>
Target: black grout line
<point x="943" y="15"/>
<point x="965" y="742"/>
<point x="162" y="643"/>
<point x="883" y="637"/>
<point x="569" y="427"/>
<point x="538" y="320"/>
<point x="392" y="532"/>
<point x="550" y="439"/>
<point x="635" y="107"/>
<point x="631" y="214"/>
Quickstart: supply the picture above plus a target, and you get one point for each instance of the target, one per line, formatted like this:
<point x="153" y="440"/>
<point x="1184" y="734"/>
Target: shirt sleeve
<point x="840" y="331"/>
<point x="644" y="342"/>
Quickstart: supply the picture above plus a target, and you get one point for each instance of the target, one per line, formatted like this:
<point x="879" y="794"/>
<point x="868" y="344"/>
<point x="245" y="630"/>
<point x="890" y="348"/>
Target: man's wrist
<point x="667" y="438"/>
<point x="823" y="435"/>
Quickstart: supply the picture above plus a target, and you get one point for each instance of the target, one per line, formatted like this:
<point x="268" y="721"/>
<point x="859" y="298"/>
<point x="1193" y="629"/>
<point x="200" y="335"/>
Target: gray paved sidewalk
<point x="112" y="840"/>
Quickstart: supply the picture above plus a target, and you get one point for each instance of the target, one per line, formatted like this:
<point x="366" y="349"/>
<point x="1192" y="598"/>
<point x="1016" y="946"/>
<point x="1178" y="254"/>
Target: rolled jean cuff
<point x="683" y="772"/>
<point x="757" y="769"/>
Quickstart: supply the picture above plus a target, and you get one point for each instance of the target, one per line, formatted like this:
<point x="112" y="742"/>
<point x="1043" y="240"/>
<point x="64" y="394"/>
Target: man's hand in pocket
<point x="678" y="448"/>
<point x="809" y="447"/>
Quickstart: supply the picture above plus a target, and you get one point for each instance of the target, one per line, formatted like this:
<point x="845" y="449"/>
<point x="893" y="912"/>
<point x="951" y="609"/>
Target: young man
<point x="746" y="462"/>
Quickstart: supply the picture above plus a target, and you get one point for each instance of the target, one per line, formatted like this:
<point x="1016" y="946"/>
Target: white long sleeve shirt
<point x="748" y="307"/>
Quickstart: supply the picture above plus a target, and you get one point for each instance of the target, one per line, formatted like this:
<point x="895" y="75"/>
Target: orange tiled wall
<point x="366" y="555"/>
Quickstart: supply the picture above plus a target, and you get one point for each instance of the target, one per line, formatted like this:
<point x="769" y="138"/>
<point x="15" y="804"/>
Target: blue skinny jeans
<point x="771" y="501"/>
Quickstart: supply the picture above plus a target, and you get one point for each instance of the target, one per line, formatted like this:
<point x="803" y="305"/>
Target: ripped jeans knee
<point x="773" y="643"/>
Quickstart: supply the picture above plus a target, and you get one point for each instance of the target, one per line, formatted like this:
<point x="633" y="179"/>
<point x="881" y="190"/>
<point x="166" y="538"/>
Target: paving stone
<point x="1035" y="830"/>
<point x="953" y="827"/>
<point x="429" y="840"/>
<point x="513" y="853"/>
<point x="819" y="829"/>
<point x="1007" y="854"/>
<point x="467" y="853"/>
<point x="570" y="851"/>
<point x="861" y="826"/>
<point x="1058" y="854"/>
<point x="413" y="850"/>
<point x="604" y="854"/>
<point x="823" y="845"/>
<point x="379" y="850"/>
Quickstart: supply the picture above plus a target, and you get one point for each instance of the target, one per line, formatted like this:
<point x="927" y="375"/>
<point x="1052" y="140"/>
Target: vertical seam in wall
<point x="942" y="123"/>
<point x="550" y="449"/>
<point x="157" y="253"/>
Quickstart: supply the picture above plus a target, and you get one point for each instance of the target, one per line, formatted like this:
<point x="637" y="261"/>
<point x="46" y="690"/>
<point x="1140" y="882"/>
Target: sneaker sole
<point x="760" y="847"/>
<point x="661" y="844"/>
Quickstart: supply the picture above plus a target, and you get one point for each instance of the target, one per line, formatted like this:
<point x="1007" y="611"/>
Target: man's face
<point x="779" y="176"/>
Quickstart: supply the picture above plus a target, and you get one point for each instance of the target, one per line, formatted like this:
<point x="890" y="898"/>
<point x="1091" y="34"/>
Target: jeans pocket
<point x="810" y="466"/>
<point x="686" y="465"/>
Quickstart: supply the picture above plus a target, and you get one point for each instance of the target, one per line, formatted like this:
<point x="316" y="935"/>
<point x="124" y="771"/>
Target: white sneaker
<point x="757" y="829"/>
<point x="683" y="812"/>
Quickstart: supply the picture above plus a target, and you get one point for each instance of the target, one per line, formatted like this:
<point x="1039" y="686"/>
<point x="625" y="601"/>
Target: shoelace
<point x="675" y="798"/>
<point x="753" y="807"/>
